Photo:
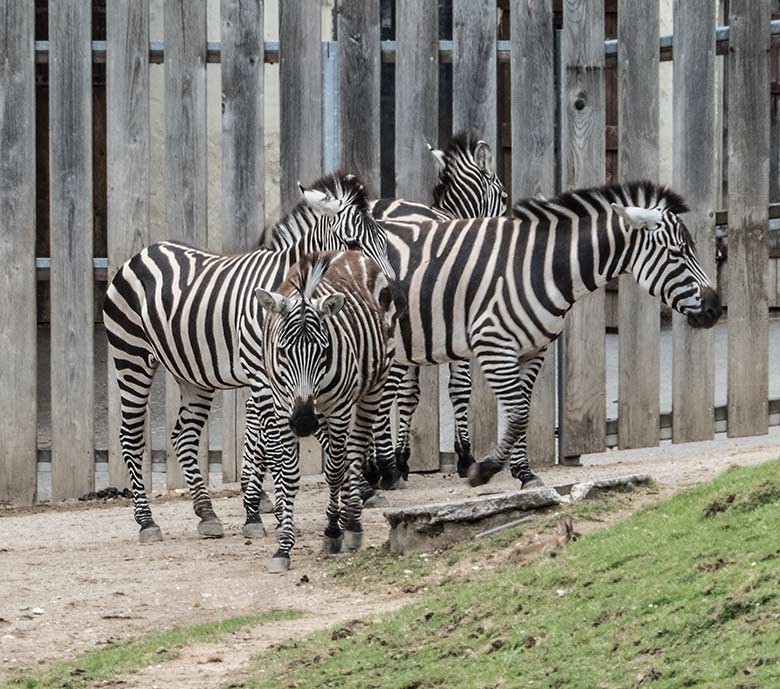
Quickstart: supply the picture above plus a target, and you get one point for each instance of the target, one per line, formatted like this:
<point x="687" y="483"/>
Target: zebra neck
<point x="603" y="253"/>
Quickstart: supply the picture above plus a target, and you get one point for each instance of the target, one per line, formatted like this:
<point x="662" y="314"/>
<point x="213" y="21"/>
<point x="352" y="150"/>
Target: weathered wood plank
<point x="72" y="318"/>
<point x="242" y="175"/>
<point x="359" y="77"/>
<point x="185" y="163"/>
<point x="696" y="178"/>
<point x="474" y="106"/>
<point x="533" y="171"/>
<point x="127" y="34"/>
<point x="243" y="198"/>
<point x="583" y="420"/>
<point x="300" y="80"/>
<point x="18" y="402"/>
<point x="638" y="158"/>
<point x="748" y="195"/>
<point x="417" y="122"/>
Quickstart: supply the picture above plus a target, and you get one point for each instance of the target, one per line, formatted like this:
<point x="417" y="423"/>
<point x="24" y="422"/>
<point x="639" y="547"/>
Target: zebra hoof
<point x="210" y="528"/>
<point x="481" y="472"/>
<point x="279" y="565"/>
<point x="150" y="534"/>
<point x="376" y="500"/>
<point x="331" y="546"/>
<point x="253" y="529"/>
<point x="532" y="481"/>
<point x="266" y="504"/>
<point x="353" y="541"/>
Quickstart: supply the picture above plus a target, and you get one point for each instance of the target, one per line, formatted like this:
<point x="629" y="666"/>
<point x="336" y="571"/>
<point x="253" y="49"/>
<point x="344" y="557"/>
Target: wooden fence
<point x="331" y="110"/>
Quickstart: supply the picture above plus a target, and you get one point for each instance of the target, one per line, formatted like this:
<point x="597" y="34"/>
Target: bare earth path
<point x="92" y="581"/>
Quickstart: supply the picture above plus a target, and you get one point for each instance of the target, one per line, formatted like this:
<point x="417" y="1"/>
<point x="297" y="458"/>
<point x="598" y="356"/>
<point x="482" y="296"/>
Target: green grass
<point x="137" y="653"/>
<point x="668" y="598"/>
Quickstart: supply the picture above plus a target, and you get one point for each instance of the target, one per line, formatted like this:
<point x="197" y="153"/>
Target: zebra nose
<point x="710" y="310"/>
<point x="303" y="420"/>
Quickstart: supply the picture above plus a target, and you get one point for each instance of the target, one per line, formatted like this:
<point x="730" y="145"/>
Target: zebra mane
<point x="311" y="269"/>
<point x="462" y="145"/>
<point x="300" y="219"/>
<point x="644" y="194"/>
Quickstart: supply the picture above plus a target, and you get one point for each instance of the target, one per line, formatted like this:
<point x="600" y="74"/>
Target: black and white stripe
<point x="195" y="313"/>
<point x="328" y="345"/>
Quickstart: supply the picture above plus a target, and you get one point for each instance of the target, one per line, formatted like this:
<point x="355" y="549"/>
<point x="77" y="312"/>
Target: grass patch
<point x="667" y="598"/>
<point x="137" y="653"/>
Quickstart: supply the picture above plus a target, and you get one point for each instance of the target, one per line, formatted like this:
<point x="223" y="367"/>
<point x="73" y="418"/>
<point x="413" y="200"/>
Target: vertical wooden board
<point x="638" y="158"/>
<point x="474" y="106"/>
<point x="748" y="197"/>
<point x="243" y="199"/>
<point x="72" y="306"/>
<point x="300" y="82"/>
<point x="533" y="171"/>
<point x="18" y="403"/>
<point x="359" y="80"/>
<point x="696" y="177"/>
<point x="583" y="422"/>
<point x="185" y="163"/>
<point x="127" y="33"/>
<point x="416" y="122"/>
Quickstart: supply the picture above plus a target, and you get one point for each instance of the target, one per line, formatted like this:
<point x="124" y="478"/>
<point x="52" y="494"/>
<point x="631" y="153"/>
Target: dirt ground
<point x="92" y="581"/>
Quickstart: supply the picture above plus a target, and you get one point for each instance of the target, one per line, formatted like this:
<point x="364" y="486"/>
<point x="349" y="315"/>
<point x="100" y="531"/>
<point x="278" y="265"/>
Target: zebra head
<point x="664" y="262"/>
<point x="343" y="220"/>
<point x="468" y="186"/>
<point x="295" y="342"/>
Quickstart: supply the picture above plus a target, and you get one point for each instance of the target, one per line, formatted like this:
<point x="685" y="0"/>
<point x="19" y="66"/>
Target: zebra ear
<point x="438" y="157"/>
<point x="484" y="156"/>
<point x="271" y="301"/>
<point x="319" y="201"/>
<point x="330" y="305"/>
<point x="638" y="218"/>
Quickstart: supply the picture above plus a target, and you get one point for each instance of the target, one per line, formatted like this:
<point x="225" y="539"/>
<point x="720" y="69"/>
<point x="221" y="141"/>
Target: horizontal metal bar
<point x="503" y="48"/>
<point x="44" y="263"/>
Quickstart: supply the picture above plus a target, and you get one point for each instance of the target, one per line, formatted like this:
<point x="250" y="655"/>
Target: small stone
<point x="303" y="580"/>
<point x="561" y="592"/>
<point x="24" y="607"/>
<point x="37" y="611"/>
<point x="161" y="650"/>
<point x="493" y="645"/>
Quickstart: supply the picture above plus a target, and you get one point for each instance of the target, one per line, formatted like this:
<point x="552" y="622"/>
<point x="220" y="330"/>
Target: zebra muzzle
<point x="303" y="421"/>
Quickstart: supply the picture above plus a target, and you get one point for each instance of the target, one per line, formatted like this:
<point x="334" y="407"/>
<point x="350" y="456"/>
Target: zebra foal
<point x="327" y="340"/>
<point x="195" y="312"/>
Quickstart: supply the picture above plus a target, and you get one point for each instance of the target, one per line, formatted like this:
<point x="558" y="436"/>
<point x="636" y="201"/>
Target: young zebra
<point x="498" y="289"/>
<point x="327" y="346"/>
<point x="194" y="312"/>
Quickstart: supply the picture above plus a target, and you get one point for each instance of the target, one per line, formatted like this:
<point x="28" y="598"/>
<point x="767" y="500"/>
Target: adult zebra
<point x="194" y="312"/>
<point x="328" y="345"/>
<point x="498" y="289"/>
<point x="467" y="187"/>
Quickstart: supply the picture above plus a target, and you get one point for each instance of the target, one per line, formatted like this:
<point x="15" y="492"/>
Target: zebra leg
<point x="185" y="438"/>
<point x="134" y="376"/>
<point x="285" y="470"/>
<point x="408" y="398"/>
<point x="252" y="473"/>
<point x="383" y="436"/>
<point x="513" y="383"/>
<point x="360" y="438"/>
<point x="335" y="465"/>
<point x="460" y="392"/>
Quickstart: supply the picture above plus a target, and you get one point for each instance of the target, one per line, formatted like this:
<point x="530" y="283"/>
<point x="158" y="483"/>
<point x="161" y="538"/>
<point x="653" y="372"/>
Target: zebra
<point x="498" y="289"/>
<point x="467" y="186"/>
<point x="194" y="312"/>
<point x="328" y="343"/>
